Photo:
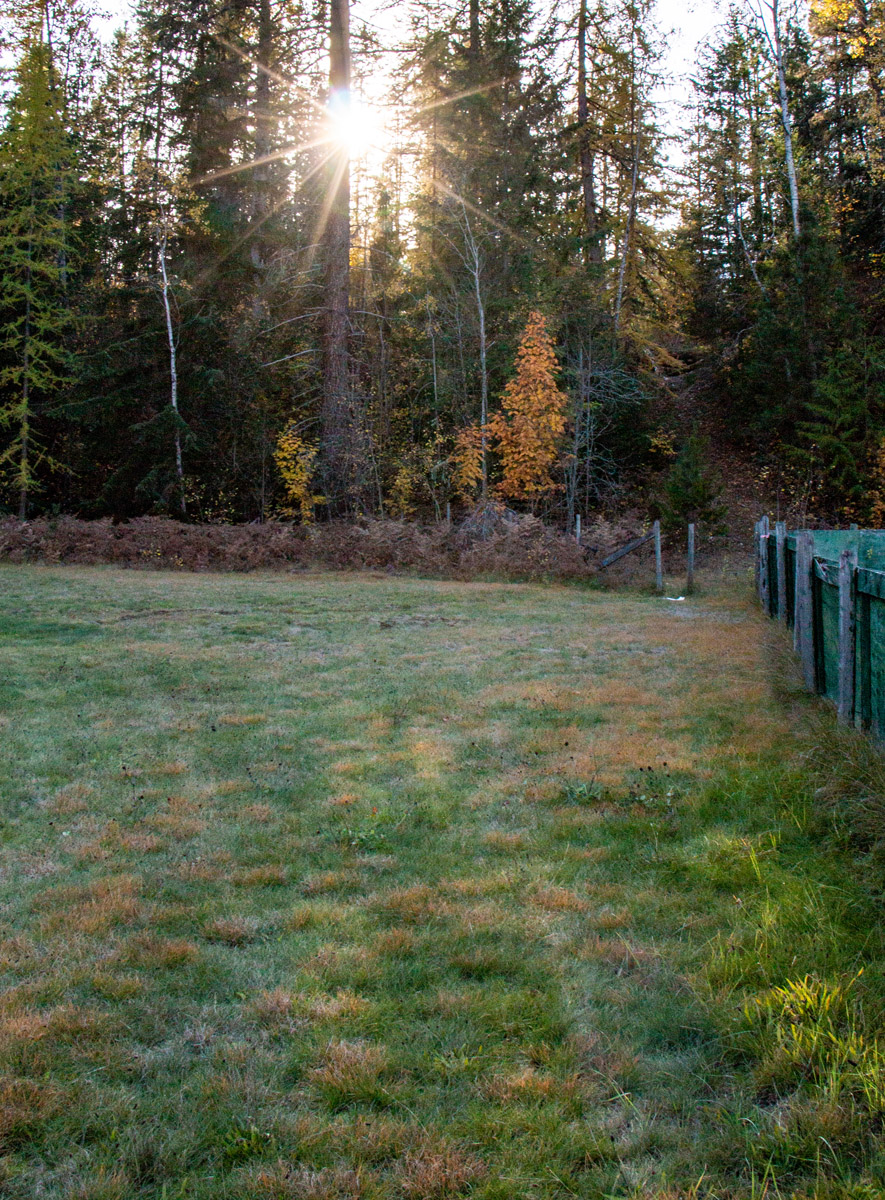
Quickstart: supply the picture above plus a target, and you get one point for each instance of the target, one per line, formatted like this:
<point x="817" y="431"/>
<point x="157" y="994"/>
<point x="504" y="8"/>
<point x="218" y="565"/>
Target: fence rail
<point x="829" y="586"/>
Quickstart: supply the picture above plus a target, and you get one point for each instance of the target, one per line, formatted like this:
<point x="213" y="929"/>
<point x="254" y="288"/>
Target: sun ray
<point x="481" y="213"/>
<point x="323" y="218"/>
<point x="258" y="162"/>
<point x="283" y="80"/>
<point x="466" y="94"/>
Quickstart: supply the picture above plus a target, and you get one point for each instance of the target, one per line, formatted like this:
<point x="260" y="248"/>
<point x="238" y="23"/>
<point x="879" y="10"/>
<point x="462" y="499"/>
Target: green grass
<point x="353" y="886"/>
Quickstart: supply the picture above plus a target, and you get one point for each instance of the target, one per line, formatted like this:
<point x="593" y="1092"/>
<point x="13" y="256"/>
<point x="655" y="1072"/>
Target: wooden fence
<point x="829" y="586"/>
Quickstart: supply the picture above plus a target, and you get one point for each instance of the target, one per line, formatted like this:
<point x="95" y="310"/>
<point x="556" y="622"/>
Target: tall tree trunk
<point x="173" y="374"/>
<point x="786" y="120"/>
<point x="25" y="425"/>
<point x="473" y="44"/>
<point x="261" y="173"/>
<point x="474" y="263"/>
<point x="585" y="153"/>
<point x="628" y="234"/>
<point x="340" y="423"/>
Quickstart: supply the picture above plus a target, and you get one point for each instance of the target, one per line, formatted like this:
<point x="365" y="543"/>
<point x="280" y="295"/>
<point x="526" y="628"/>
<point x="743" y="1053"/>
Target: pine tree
<point x="35" y="250"/>
<point x="691" y="491"/>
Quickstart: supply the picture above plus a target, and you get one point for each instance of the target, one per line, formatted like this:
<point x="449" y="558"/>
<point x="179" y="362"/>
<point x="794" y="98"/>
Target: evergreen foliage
<point x="522" y="169"/>
<point x="691" y="490"/>
<point x="35" y="250"/>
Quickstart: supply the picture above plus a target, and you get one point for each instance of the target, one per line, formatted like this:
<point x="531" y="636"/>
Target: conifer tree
<point x="35" y="315"/>
<point x="529" y="430"/>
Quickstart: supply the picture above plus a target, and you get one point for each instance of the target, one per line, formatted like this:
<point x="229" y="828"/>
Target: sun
<point x="355" y="126"/>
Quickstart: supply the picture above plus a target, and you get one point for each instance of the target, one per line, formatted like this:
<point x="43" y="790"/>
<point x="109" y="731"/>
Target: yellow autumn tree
<point x="467" y="461"/>
<point x="296" y="462"/>
<point x="529" y="431"/>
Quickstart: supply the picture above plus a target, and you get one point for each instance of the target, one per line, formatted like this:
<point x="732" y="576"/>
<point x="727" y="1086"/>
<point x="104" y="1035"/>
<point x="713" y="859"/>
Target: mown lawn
<point x="345" y="886"/>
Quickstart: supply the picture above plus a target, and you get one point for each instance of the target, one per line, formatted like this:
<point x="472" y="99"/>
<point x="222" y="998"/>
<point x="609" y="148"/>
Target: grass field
<point x="344" y="886"/>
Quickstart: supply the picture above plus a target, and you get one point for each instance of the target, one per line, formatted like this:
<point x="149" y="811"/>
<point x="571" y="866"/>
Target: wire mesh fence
<point x="828" y="585"/>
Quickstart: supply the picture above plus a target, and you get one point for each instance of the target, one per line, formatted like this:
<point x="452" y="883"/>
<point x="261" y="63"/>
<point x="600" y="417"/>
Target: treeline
<point x="219" y="300"/>
<point x="782" y="240"/>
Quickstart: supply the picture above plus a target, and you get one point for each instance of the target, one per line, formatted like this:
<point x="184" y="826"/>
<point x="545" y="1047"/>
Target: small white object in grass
<point x="66" y="833"/>
<point x="675" y="598"/>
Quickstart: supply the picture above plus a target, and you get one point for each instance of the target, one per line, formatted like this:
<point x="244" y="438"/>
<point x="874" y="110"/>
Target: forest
<point x="269" y="259"/>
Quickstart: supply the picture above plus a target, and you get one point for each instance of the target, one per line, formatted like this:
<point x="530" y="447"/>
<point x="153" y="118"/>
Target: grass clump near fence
<point x="326" y="887"/>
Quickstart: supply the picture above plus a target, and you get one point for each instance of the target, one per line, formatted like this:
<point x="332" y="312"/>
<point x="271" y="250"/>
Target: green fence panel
<point x="825" y="593"/>
<point x="877" y="667"/>
<point x="869" y="667"/>
<point x="772" y="573"/>
<point x="869" y="692"/>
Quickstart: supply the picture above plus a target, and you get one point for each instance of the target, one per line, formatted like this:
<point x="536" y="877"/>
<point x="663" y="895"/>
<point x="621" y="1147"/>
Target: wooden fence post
<point x="764" y="588"/>
<point x="803" y="630"/>
<point x="578" y="528"/>
<point x="659" y="562"/>
<point x="757" y="528"/>
<point x="689" y="580"/>
<point x="780" y="535"/>
<point x="449" y="513"/>
<point x="847" y="577"/>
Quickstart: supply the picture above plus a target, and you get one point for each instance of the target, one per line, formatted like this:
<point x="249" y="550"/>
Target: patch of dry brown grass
<point x="260" y="813"/>
<point x="351" y="1071"/>
<point x="499" y="839"/>
<point x="25" y="1104"/>
<point x="71" y="799"/>
<point x="289" y="1181"/>
<point x="559" y="899"/>
<point x="150" y="951"/>
<point x="414" y="904"/>
<point x="438" y="1170"/>
<point x="324" y="882"/>
<point x="231" y="931"/>
<point x="104" y="1184"/>
<point x="142" y="843"/>
<point x="170" y="769"/>
<point x="397" y="942"/>
<point x="110" y="901"/>
<point x="529" y="1084"/>
<point x="332" y="1008"/>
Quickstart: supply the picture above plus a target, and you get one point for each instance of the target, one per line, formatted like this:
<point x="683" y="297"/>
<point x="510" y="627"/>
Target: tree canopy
<point x="270" y="259"/>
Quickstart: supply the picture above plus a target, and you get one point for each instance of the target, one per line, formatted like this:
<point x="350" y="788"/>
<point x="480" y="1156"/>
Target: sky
<point x="683" y="25"/>
<point x="691" y="22"/>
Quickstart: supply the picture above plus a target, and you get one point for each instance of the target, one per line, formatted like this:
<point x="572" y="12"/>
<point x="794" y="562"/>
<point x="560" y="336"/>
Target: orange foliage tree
<point x="529" y="430"/>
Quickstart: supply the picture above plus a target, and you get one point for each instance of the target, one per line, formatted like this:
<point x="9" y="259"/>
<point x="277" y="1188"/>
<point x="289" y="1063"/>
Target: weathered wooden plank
<point x="871" y="583"/>
<point x="847" y="575"/>
<point x="780" y="534"/>
<point x="863" y="662"/>
<point x="659" y="561"/>
<point x="689" y="571"/>
<point x="764" y="585"/>
<point x="804" y="627"/>
<point x="634" y="545"/>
